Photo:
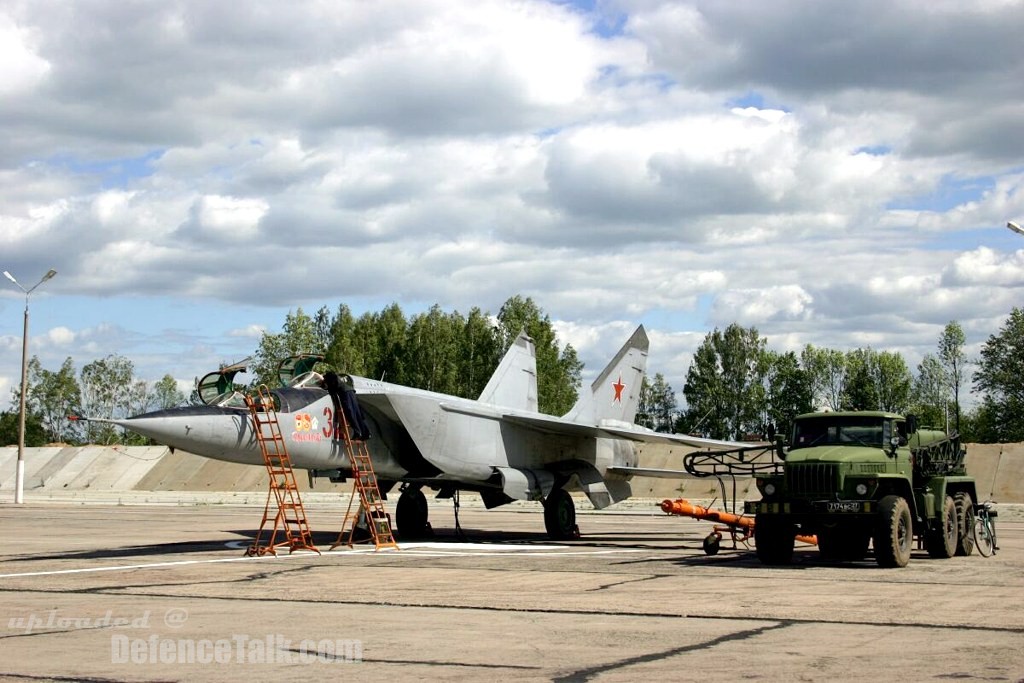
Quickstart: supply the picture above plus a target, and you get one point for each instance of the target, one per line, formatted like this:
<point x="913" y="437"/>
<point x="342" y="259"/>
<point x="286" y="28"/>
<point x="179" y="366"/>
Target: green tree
<point x="861" y="388"/>
<point x="657" y="407"/>
<point x="981" y="424"/>
<point x="346" y="351"/>
<point x="1000" y="380"/>
<point x="53" y="396"/>
<point x="166" y="394"/>
<point x="724" y="387"/>
<point x="559" y="370"/>
<point x="929" y="397"/>
<point x="826" y="371"/>
<point x="432" y="350"/>
<point x="108" y="391"/>
<point x="877" y="381"/>
<point x="894" y="382"/>
<point x="388" y="336"/>
<point x="298" y="335"/>
<point x="323" y="327"/>
<point x="789" y="391"/>
<point x="35" y="432"/>
<point x="479" y="354"/>
<point x="953" y="358"/>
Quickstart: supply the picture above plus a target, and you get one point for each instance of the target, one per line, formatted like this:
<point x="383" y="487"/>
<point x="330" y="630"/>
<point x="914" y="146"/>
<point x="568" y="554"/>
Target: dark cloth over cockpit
<point x="344" y="398"/>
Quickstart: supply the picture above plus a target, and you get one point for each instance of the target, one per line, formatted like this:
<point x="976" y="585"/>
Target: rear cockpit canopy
<point x="297" y="371"/>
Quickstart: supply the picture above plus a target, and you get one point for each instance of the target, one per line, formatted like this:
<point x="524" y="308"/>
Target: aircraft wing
<point x="556" y="425"/>
<point x="644" y="435"/>
<point x="552" y="425"/>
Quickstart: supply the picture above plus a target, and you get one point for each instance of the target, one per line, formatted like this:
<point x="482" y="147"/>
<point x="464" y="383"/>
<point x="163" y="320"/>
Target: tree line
<point x="735" y="386"/>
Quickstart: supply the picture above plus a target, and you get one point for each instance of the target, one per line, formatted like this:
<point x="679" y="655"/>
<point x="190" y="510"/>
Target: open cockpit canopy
<point x="297" y="371"/>
<point x="217" y="388"/>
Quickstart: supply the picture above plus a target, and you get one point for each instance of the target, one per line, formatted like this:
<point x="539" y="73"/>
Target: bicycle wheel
<point x="983" y="535"/>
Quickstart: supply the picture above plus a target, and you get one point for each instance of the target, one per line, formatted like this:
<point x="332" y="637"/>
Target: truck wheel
<point x="846" y="542"/>
<point x="774" y="538"/>
<point x="894" y="534"/>
<point x="942" y="537"/>
<point x="829" y="544"/>
<point x="857" y="544"/>
<point x="964" y="523"/>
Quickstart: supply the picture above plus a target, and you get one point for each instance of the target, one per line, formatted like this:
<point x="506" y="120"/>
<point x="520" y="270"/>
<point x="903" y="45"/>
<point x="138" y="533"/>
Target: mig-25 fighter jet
<point x="499" y="445"/>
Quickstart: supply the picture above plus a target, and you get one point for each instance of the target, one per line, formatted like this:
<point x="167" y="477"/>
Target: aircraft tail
<point x="514" y="383"/>
<point x="615" y="394"/>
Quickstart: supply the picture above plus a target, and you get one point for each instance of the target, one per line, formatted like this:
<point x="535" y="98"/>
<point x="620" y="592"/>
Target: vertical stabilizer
<point x="514" y="383"/>
<point x="615" y="394"/>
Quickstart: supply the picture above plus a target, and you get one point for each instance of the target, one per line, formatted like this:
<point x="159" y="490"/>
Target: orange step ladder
<point x="371" y="503"/>
<point x="289" y="516"/>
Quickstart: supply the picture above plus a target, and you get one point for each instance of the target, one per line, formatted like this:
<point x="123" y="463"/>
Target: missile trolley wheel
<point x="712" y="543"/>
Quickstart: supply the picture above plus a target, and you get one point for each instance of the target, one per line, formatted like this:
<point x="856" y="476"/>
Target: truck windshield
<point x="836" y="430"/>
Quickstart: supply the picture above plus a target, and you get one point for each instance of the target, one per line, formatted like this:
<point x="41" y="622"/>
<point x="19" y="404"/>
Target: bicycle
<point x="985" y="528"/>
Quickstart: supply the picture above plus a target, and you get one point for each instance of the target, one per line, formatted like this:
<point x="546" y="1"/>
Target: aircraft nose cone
<point x="203" y="430"/>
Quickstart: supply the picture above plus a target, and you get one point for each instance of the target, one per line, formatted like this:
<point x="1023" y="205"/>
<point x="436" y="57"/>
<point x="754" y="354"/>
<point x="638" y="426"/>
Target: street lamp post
<point x="19" y="483"/>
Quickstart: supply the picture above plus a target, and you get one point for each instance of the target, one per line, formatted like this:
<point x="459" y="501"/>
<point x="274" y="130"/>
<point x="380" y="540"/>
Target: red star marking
<point x="618" y="386"/>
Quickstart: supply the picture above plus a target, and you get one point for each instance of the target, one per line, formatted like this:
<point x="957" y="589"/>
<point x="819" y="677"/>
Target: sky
<point x="832" y="173"/>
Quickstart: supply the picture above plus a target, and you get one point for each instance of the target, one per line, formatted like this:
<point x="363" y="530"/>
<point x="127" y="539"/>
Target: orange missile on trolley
<point x="739" y="527"/>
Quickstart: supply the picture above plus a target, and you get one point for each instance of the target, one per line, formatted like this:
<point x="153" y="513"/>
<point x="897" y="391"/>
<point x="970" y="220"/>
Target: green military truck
<point x="854" y="478"/>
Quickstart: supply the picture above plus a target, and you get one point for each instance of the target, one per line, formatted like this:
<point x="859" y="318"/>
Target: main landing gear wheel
<point x="411" y="514"/>
<point x="560" y="516"/>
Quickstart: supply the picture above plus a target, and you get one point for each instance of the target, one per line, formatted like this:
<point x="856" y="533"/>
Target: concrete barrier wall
<point x="998" y="469"/>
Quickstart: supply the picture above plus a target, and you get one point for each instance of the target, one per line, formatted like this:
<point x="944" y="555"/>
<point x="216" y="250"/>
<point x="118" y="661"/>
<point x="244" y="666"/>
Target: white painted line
<point x="154" y="565"/>
<point x="417" y="549"/>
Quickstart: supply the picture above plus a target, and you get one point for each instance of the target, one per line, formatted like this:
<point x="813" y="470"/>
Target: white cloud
<point x="251" y="332"/>
<point x="984" y="266"/>
<point x="60" y="336"/>
<point x="757" y="306"/>
<point x="21" y="67"/>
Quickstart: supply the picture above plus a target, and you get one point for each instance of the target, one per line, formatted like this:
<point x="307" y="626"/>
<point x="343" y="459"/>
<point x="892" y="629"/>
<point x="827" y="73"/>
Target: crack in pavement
<point x="592" y="671"/>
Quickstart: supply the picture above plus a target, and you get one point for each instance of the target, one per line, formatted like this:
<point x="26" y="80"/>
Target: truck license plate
<point x="844" y="507"/>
